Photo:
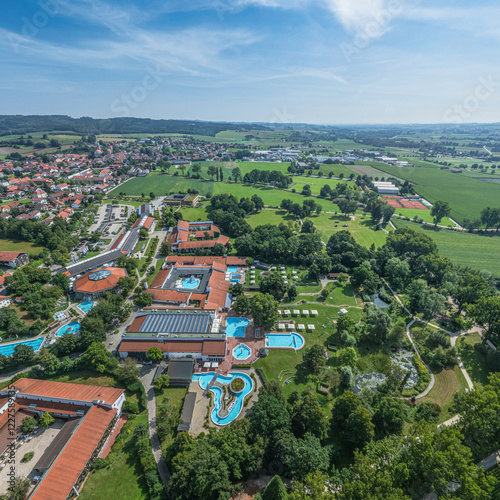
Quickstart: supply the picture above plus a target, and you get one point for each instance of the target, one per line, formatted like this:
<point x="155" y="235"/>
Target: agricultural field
<point x="467" y="196"/>
<point x="464" y="249"/>
<point x="161" y="185"/>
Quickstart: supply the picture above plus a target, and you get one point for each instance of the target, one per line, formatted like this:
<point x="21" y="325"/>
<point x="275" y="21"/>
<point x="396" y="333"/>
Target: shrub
<point x="101" y="463"/>
<point x="237" y="384"/>
<point x="424" y="377"/>
<point x="346" y="376"/>
<point x="130" y="407"/>
<point x="428" y="411"/>
<point x="28" y="456"/>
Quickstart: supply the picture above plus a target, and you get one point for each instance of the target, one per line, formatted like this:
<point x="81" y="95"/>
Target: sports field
<point x="464" y="249"/>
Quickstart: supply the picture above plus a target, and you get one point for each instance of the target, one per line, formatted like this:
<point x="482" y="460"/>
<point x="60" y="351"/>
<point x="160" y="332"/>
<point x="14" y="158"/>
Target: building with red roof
<point x="88" y="414"/>
<point x="13" y="259"/>
<point x="94" y="283"/>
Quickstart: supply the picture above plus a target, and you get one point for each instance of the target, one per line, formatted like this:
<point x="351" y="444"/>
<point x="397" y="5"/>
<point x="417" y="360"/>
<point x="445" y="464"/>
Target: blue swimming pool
<point x="242" y="351"/>
<point x="236" y="327"/>
<point x="205" y="378"/>
<point x="285" y="340"/>
<point x="8" y="349"/>
<point x="232" y="269"/>
<point x="86" y="306"/>
<point x="72" y="327"/>
<point x="235" y="278"/>
<point x="190" y="283"/>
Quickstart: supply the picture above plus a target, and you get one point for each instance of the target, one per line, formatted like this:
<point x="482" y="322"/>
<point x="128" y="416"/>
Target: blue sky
<point x="312" y="61"/>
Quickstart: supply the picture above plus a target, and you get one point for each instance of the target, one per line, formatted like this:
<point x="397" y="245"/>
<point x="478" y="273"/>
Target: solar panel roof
<point x="176" y="323"/>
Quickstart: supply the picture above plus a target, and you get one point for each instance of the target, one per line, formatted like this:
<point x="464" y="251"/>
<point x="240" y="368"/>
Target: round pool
<point x="242" y="351"/>
<point x="190" y="283"/>
<point x="72" y="327"/>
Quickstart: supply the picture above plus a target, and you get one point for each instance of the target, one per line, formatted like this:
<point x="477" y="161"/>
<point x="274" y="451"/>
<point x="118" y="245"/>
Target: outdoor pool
<point x="205" y="378"/>
<point x="85" y="306"/>
<point x="72" y="327"/>
<point x="236" y="327"/>
<point x="190" y="283"/>
<point x="242" y="351"/>
<point x="285" y="340"/>
<point x="8" y="349"/>
<point x="232" y="269"/>
<point x="236" y="278"/>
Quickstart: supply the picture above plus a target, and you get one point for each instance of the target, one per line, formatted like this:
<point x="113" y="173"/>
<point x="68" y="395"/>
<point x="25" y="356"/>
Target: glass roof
<point x="100" y="275"/>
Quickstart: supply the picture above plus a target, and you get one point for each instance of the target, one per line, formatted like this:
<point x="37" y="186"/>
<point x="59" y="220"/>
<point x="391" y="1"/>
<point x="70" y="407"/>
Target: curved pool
<point x="235" y="327"/>
<point x="242" y="351"/>
<point x="190" y="283"/>
<point x="205" y="378"/>
<point x="285" y="340"/>
<point x="72" y="327"/>
<point x="85" y="306"/>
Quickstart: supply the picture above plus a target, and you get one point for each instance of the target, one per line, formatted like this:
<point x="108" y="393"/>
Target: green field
<point x="467" y="196"/>
<point x="274" y="217"/>
<point x="19" y="246"/>
<point x="464" y="249"/>
<point x="161" y="185"/>
<point x="425" y="215"/>
<point x="363" y="230"/>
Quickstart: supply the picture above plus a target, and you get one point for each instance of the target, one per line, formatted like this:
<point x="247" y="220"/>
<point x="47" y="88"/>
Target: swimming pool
<point x="235" y="278"/>
<point x="232" y="269"/>
<point x="190" y="283"/>
<point x="285" y="340"/>
<point x="8" y="349"/>
<point x="72" y="327"/>
<point x="86" y="306"/>
<point x="236" y="327"/>
<point x="205" y="378"/>
<point x="242" y="351"/>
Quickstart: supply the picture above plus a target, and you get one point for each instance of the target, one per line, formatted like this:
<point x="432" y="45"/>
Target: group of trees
<point x="306" y="210"/>
<point x="273" y="177"/>
<point x="262" y="306"/>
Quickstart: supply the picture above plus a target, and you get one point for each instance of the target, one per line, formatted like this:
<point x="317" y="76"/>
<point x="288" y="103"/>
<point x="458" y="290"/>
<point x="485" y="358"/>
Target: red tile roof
<point x="63" y="474"/>
<point x="9" y="256"/>
<point x="86" y="285"/>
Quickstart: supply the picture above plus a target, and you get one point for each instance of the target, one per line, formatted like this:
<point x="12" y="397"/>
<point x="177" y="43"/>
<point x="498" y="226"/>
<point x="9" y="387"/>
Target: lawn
<point x="448" y="382"/>
<point x="19" y="246"/>
<point x="474" y="361"/>
<point x="274" y="217"/>
<point x="161" y="185"/>
<point x="271" y="196"/>
<point x="193" y="214"/>
<point x="175" y="396"/>
<point x="463" y="249"/>
<point x="124" y="478"/>
<point x="425" y="215"/>
<point x="363" y="230"/>
<point x="467" y="196"/>
<point x="341" y="295"/>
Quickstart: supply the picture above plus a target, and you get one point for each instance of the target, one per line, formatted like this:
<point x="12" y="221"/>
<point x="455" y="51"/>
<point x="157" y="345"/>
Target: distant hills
<point x="25" y="124"/>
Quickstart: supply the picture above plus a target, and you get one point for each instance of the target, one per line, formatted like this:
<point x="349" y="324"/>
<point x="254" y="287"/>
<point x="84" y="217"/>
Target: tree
<point x="292" y="291"/>
<point x="273" y="284"/>
<point x="308" y="226"/>
<point x="236" y="173"/>
<point x="398" y="272"/>
<point x="162" y="382"/>
<point x="242" y="304"/>
<point x="143" y="300"/>
<point x="23" y="354"/>
<point x="46" y="420"/>
<point x="391" y="414"/>
<point x="19" y="489"/>
<point x="165" y="248"/>
<point x="155" y="354"/>
<point x="96" y="356"/>
<point x="212" y="171"/>
<point x="439" y="210"/>
<point x="257" y="201"/>
<point x="128" y="371"/>
<point x="28" y="425"/>
<point x="269" y="414"/>
<point x="264" y="310"/>
<point x="306" y="190"/>
<point x="348" y="356"/>
<point x="487" y="314"/>
<point x="275" y="490"/>
<point x="307" y="456"/>
<point x="62" y="281"/>
<point x="365" y="278"/>
<point x="314" y="359"/>
<point x="308" y="416"/>
<point x="237" y="289"/>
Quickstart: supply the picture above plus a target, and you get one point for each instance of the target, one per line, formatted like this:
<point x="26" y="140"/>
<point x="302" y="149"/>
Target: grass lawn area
<point x="464" y="249"/>
<point x="315" y="183"/>
<point x="193" y="214"/>
<point x="340" y="295"/>
<point x="175" y="396"/>
<point x="274" y="217"/>
<point x="272" y="197"/>
<point x="363" y="230"/>
<point x="124" y="478"/>
<point x="161" y="185"/>
<point x="133" y="204"/>
<point x="474" y="361"/>
<point x="19" y="246"/>
<point x="425" y="215"/>
<point x="448" y="382"/>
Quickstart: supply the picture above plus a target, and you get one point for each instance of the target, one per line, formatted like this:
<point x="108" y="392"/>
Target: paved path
<point x="146" y="377"/>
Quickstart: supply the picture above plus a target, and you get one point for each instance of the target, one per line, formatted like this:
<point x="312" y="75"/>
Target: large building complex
<point x="187" y="237"/>
<point x="94" y="283"/>
<point x="86" y="415"/>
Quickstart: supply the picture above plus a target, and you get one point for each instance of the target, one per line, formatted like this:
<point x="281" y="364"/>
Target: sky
<point x="284" y="61"/>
